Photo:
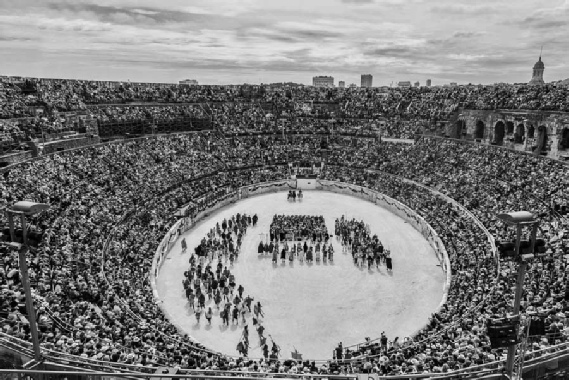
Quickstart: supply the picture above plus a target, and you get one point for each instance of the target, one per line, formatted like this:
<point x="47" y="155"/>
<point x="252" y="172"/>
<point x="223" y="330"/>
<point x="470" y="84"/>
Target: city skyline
<point x="222" y="42"/>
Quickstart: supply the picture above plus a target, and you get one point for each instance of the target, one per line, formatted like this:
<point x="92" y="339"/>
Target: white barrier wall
<point x="307" y="183"/>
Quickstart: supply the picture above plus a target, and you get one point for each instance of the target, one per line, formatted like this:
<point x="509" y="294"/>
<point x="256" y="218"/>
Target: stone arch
<point x="499" y="132"/>
<point x="479" y="131"/>
<point x="564" y="142"/>
<point x="531" y="132"/>
<point x="509" y="127"/>
<point x="459" y="130"/>
<point x="520" y="134"/>
<point x="541" y="138"/>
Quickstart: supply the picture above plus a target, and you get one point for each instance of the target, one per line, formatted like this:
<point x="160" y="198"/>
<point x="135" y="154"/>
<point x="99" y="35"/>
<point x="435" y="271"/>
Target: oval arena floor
<point x="312" y="308"/>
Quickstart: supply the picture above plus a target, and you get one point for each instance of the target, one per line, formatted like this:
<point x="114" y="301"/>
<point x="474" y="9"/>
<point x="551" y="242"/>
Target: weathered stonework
<point x="545" y="133"/>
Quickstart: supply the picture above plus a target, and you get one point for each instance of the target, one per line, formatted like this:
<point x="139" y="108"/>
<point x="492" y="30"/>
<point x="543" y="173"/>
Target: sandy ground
<point x="314" y="307"/>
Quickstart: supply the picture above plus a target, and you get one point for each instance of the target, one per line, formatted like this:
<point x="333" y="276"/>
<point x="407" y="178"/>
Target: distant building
<point x="188" y="82"/>
<point x="367" y="80"/>
<point x="417" y="84"/>
<point x="342" y="84"/>
<point x="405" y="83"/>
<point x="453" y="84"/>
<point x="323" y="81"/>
<point x="537" y="75"/>
<point x="353" y="85"/>
<point x="428" y="83"/>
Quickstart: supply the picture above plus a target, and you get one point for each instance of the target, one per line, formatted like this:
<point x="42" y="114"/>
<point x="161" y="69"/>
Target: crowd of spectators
<point x="33" y="104"/>
<point x="111" y="205"/>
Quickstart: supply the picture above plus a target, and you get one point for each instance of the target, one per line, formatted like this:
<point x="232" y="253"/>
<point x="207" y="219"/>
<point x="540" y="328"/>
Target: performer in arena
<point x="198" y="313"/>
<point x="266" y="351"/>
<point x="388" y="262"/>
<point x="276" y="350"/>
<point x="208" y="315"/>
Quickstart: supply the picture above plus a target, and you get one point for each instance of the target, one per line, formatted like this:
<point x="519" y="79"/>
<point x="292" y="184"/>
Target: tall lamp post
<point x="519" y="219"/>
<point x="23" y="209"/>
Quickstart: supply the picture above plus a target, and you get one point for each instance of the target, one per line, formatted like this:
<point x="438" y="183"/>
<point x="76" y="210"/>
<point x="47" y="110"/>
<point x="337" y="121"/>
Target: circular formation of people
<point x="110" y="205"/>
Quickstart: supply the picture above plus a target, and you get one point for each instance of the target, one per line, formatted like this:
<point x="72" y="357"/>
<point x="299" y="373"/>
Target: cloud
<point x="127" y="15"/>
<point x="358" y="2"/>
<point x="461" y="35"/>
<point x="14" y="39"/>
<point x="463" y="9"/>
<point x="392" y="39"/>
<point x="548" y="18"/>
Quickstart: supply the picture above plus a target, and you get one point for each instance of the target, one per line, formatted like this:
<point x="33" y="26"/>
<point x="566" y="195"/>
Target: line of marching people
<point x="243" y="345"/>
<point x="309" y="251"/>
<point x="366" y="249"/>
<point x="206" y="289"/>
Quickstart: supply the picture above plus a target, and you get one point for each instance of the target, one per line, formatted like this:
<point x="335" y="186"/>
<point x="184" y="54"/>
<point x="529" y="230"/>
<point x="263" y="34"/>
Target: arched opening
<point x="564" y="144"/>
<point x="531" y="132"/>
<point x="479" y="131"/>
<point x="541" y="139"/>
<point x="499" y="133"/>
<point x="509" y="127"/>
<point x="460" y="129"/>
<point x="519" y="136"/>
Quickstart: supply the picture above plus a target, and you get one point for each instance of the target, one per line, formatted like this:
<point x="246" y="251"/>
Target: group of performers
<point x="292" y="195"/>
<point x="298" y="227"/>
<point x="365" y="248"/>
<point x="243" y="345"/>
<point x="308" y="251"/>
<point x="205" y="288"/>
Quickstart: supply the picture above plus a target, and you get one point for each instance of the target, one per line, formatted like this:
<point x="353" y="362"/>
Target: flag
<point x="296" y="355"/>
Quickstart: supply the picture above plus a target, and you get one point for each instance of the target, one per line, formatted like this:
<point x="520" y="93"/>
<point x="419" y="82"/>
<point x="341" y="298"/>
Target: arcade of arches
<point x="543" y="133"/>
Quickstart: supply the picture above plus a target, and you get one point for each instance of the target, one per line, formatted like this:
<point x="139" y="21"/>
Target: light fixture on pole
<point x="519" y="219"/>
<point x="23" y="209"/>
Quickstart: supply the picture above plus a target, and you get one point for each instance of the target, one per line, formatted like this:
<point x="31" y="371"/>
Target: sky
<point x="266" y="41"/>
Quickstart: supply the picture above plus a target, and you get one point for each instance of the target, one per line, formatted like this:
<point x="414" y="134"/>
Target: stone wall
<point x="515" y="129"/>
<point x="70" y="143"/>
<point x="15" y="157"/>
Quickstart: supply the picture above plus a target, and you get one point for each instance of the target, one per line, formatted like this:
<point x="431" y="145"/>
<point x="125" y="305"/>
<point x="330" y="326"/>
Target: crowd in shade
<point x="110" y="206"/>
